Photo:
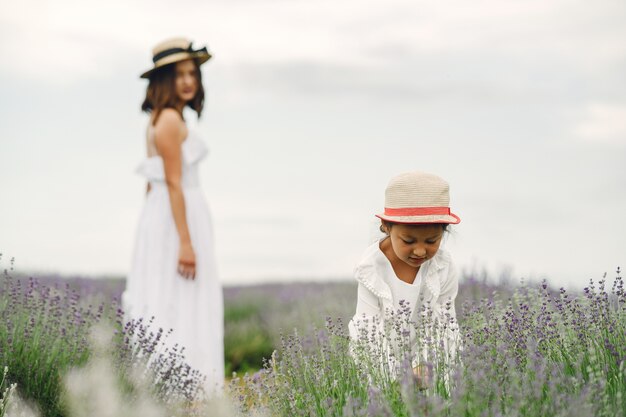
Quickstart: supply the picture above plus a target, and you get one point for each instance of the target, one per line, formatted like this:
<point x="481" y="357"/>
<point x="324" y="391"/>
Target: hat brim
<point x="435" y="218"/>
<point x="200" y="57"/>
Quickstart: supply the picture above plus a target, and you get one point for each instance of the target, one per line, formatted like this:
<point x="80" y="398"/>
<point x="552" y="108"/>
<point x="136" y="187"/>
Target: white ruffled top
<point x="193" y="151"/>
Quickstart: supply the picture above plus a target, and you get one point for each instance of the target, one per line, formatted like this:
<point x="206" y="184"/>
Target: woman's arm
<point x="170" y="131"/>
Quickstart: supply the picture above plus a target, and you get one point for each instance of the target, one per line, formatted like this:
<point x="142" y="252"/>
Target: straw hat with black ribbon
<point x="418" y="198"/>
<point x="175" y="50"/>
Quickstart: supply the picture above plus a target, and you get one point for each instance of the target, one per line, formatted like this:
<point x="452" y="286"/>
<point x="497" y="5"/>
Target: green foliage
<point x="6" y="391"/>
<point x="256" y="316"/>
<point x="536" y="353"/>
<point x="42" y="333"/>
<point x="246" y="338"/>
<point x="525" y="353"/>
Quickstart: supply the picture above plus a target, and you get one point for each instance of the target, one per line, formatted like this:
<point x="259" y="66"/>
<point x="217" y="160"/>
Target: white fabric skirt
<point x="193" y="309"/>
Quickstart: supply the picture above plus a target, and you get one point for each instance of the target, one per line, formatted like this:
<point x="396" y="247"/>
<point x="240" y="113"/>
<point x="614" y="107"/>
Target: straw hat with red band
<point x="416" y="198"/>
<point x="175" y="50"/>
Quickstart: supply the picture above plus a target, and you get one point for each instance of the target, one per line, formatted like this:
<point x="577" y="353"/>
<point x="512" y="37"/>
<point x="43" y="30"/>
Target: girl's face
<point x="415" y="244"/>
<point x="186" y="82"/>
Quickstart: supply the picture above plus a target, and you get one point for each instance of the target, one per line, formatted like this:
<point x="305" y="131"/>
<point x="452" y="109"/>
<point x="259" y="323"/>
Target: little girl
<point x="407" y="273"/>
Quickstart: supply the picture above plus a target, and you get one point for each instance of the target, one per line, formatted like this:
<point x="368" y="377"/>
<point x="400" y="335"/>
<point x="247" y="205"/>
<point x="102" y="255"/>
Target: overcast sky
<point x="311" y="107"/>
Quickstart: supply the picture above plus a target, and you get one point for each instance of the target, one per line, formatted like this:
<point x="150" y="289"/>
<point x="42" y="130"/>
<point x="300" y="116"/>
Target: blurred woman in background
<point x="173" y="276"/>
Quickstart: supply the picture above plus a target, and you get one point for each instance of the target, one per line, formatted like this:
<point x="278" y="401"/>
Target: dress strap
<point x="151" y="142"/>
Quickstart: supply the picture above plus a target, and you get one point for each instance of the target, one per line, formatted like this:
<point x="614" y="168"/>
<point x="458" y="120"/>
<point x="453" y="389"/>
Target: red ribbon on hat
<point x="417" y="211"/>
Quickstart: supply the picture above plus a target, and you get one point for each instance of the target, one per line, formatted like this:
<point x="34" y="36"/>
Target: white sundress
<point x="192" y="308"/>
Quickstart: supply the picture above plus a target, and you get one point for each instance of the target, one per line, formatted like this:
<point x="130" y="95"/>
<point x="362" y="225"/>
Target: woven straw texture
<point x="418" y="190"/>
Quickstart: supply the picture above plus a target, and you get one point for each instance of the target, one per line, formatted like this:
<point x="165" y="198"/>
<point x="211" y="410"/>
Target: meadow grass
<point x="527" y="350"/>
<point x="44" y="333"/>
<point x="6" y="391"/>
<point x="537" y="352"/>
<point x="255" y="316"/>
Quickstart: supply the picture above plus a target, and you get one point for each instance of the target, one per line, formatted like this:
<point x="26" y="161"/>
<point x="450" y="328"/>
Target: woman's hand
<point x="423" y="376"/>
<point x="169" y="133"/>
<point x="187" y="261"/>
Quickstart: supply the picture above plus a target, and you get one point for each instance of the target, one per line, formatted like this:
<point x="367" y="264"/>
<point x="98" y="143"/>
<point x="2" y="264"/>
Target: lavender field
<point x="527" y="350"/>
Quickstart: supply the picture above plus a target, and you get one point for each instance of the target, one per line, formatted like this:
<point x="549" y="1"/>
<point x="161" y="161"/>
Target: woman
<point x="173" y="277"/>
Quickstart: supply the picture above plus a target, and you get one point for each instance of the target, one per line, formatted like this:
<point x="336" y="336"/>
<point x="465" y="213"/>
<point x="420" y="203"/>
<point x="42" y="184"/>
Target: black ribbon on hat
<point x="173" y="51"/>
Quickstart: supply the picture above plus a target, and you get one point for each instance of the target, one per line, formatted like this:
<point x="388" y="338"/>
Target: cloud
<point x="603" y="123"/>
<point x="302" y="97"/>
<point x="85" y="38"/>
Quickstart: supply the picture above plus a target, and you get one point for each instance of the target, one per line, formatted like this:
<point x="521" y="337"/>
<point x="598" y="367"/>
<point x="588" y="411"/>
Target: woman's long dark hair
<point x="161" y="92"/>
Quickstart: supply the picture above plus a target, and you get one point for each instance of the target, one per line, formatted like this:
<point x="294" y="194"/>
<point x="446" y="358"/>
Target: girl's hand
<point x="423" y="376"/>
<point x="187" y="261"/>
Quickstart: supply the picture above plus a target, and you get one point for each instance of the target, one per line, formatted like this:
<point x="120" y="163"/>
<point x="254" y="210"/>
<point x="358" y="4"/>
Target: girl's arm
<point x="449" y="291"/>
<point x="366" y="309"/>
<point x="169" y="135"/>
<point x="447" y="313"/>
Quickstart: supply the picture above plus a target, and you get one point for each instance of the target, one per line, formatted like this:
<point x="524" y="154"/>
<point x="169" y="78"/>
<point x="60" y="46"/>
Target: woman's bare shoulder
<point x="169" y="118"/>
<point x="169" y="127"/>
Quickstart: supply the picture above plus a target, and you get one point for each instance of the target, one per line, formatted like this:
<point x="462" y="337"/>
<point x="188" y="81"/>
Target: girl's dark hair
<point x="161" y="92"/>
<point x="387" y="224"/>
